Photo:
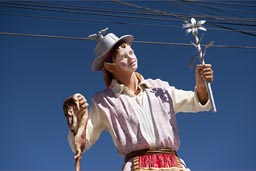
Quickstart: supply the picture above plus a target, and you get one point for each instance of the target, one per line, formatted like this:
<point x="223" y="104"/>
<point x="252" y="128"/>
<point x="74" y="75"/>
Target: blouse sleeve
<point x="97" y="122"/>
<point x="187" y="101"/>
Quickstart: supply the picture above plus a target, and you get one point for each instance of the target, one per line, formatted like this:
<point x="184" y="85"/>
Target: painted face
<point x="126" y="59"/>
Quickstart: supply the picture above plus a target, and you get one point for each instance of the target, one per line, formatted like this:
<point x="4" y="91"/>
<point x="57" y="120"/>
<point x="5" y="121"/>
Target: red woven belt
<point x="147" y="159"/>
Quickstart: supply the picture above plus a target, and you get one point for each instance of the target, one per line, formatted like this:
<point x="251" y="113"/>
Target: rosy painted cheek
<point x="123" y="64"/>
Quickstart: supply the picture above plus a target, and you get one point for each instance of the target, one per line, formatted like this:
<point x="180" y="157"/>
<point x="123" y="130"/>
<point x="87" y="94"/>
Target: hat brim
<point x="98" y="62"/>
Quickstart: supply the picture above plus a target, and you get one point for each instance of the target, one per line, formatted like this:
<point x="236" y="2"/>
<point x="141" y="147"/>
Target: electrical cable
<point x="217" y="24"/>
<point x="121" y="22"/>
<point x="43" y="7"/>
<point x="162" y="13"/>
<point x="222" y="3"/>
<point x="135" y="41"/>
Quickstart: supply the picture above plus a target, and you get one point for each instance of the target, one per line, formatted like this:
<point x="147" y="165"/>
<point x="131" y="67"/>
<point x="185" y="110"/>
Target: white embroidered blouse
<point x="139" y="121"/>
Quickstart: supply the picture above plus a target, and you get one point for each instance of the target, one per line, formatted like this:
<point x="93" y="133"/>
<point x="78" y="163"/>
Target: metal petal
<point x="188" y="25"/>
<point x="188" y="31"/>
<point x="201" y="22"/>
<point x="202" y="28"/>
<point x="193" y="21"/>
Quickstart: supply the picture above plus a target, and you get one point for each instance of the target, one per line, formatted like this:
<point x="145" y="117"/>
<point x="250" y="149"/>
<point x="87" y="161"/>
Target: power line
<point x="43" y="36"/>
<point x="238" y="20"/>
<point x="227" y="20"/>
<point x="136" y="41"/>
<point x="90" y="8"/>
<point x="90" y="20"/>
<point x="219" y="24"/>
<point x="77" y="10"/>
<point x="222" y="3"/>
<point x="86" y="12"/>
<point x="164" y="13"/>
<point x="234" y="12"/>
<point x="118" y="22"/>
<point x="194" y="9"/>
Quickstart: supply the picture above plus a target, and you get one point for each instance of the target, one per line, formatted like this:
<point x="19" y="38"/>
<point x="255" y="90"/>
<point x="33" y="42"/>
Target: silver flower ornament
<point x="194" y="26"/>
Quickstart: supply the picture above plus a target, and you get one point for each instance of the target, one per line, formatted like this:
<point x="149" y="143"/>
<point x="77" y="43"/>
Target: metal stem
<point x="208" y="85"/>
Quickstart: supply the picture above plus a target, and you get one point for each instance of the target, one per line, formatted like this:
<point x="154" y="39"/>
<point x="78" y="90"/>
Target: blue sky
<point x="38" y="72"/>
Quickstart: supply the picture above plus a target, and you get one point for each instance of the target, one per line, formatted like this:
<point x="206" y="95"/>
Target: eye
<point x="122" y="57"/>
<point x="131" y="53"/>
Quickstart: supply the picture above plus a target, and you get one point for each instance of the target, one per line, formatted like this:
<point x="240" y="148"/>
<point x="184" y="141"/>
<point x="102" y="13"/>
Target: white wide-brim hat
<point x="104" y="47"/>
